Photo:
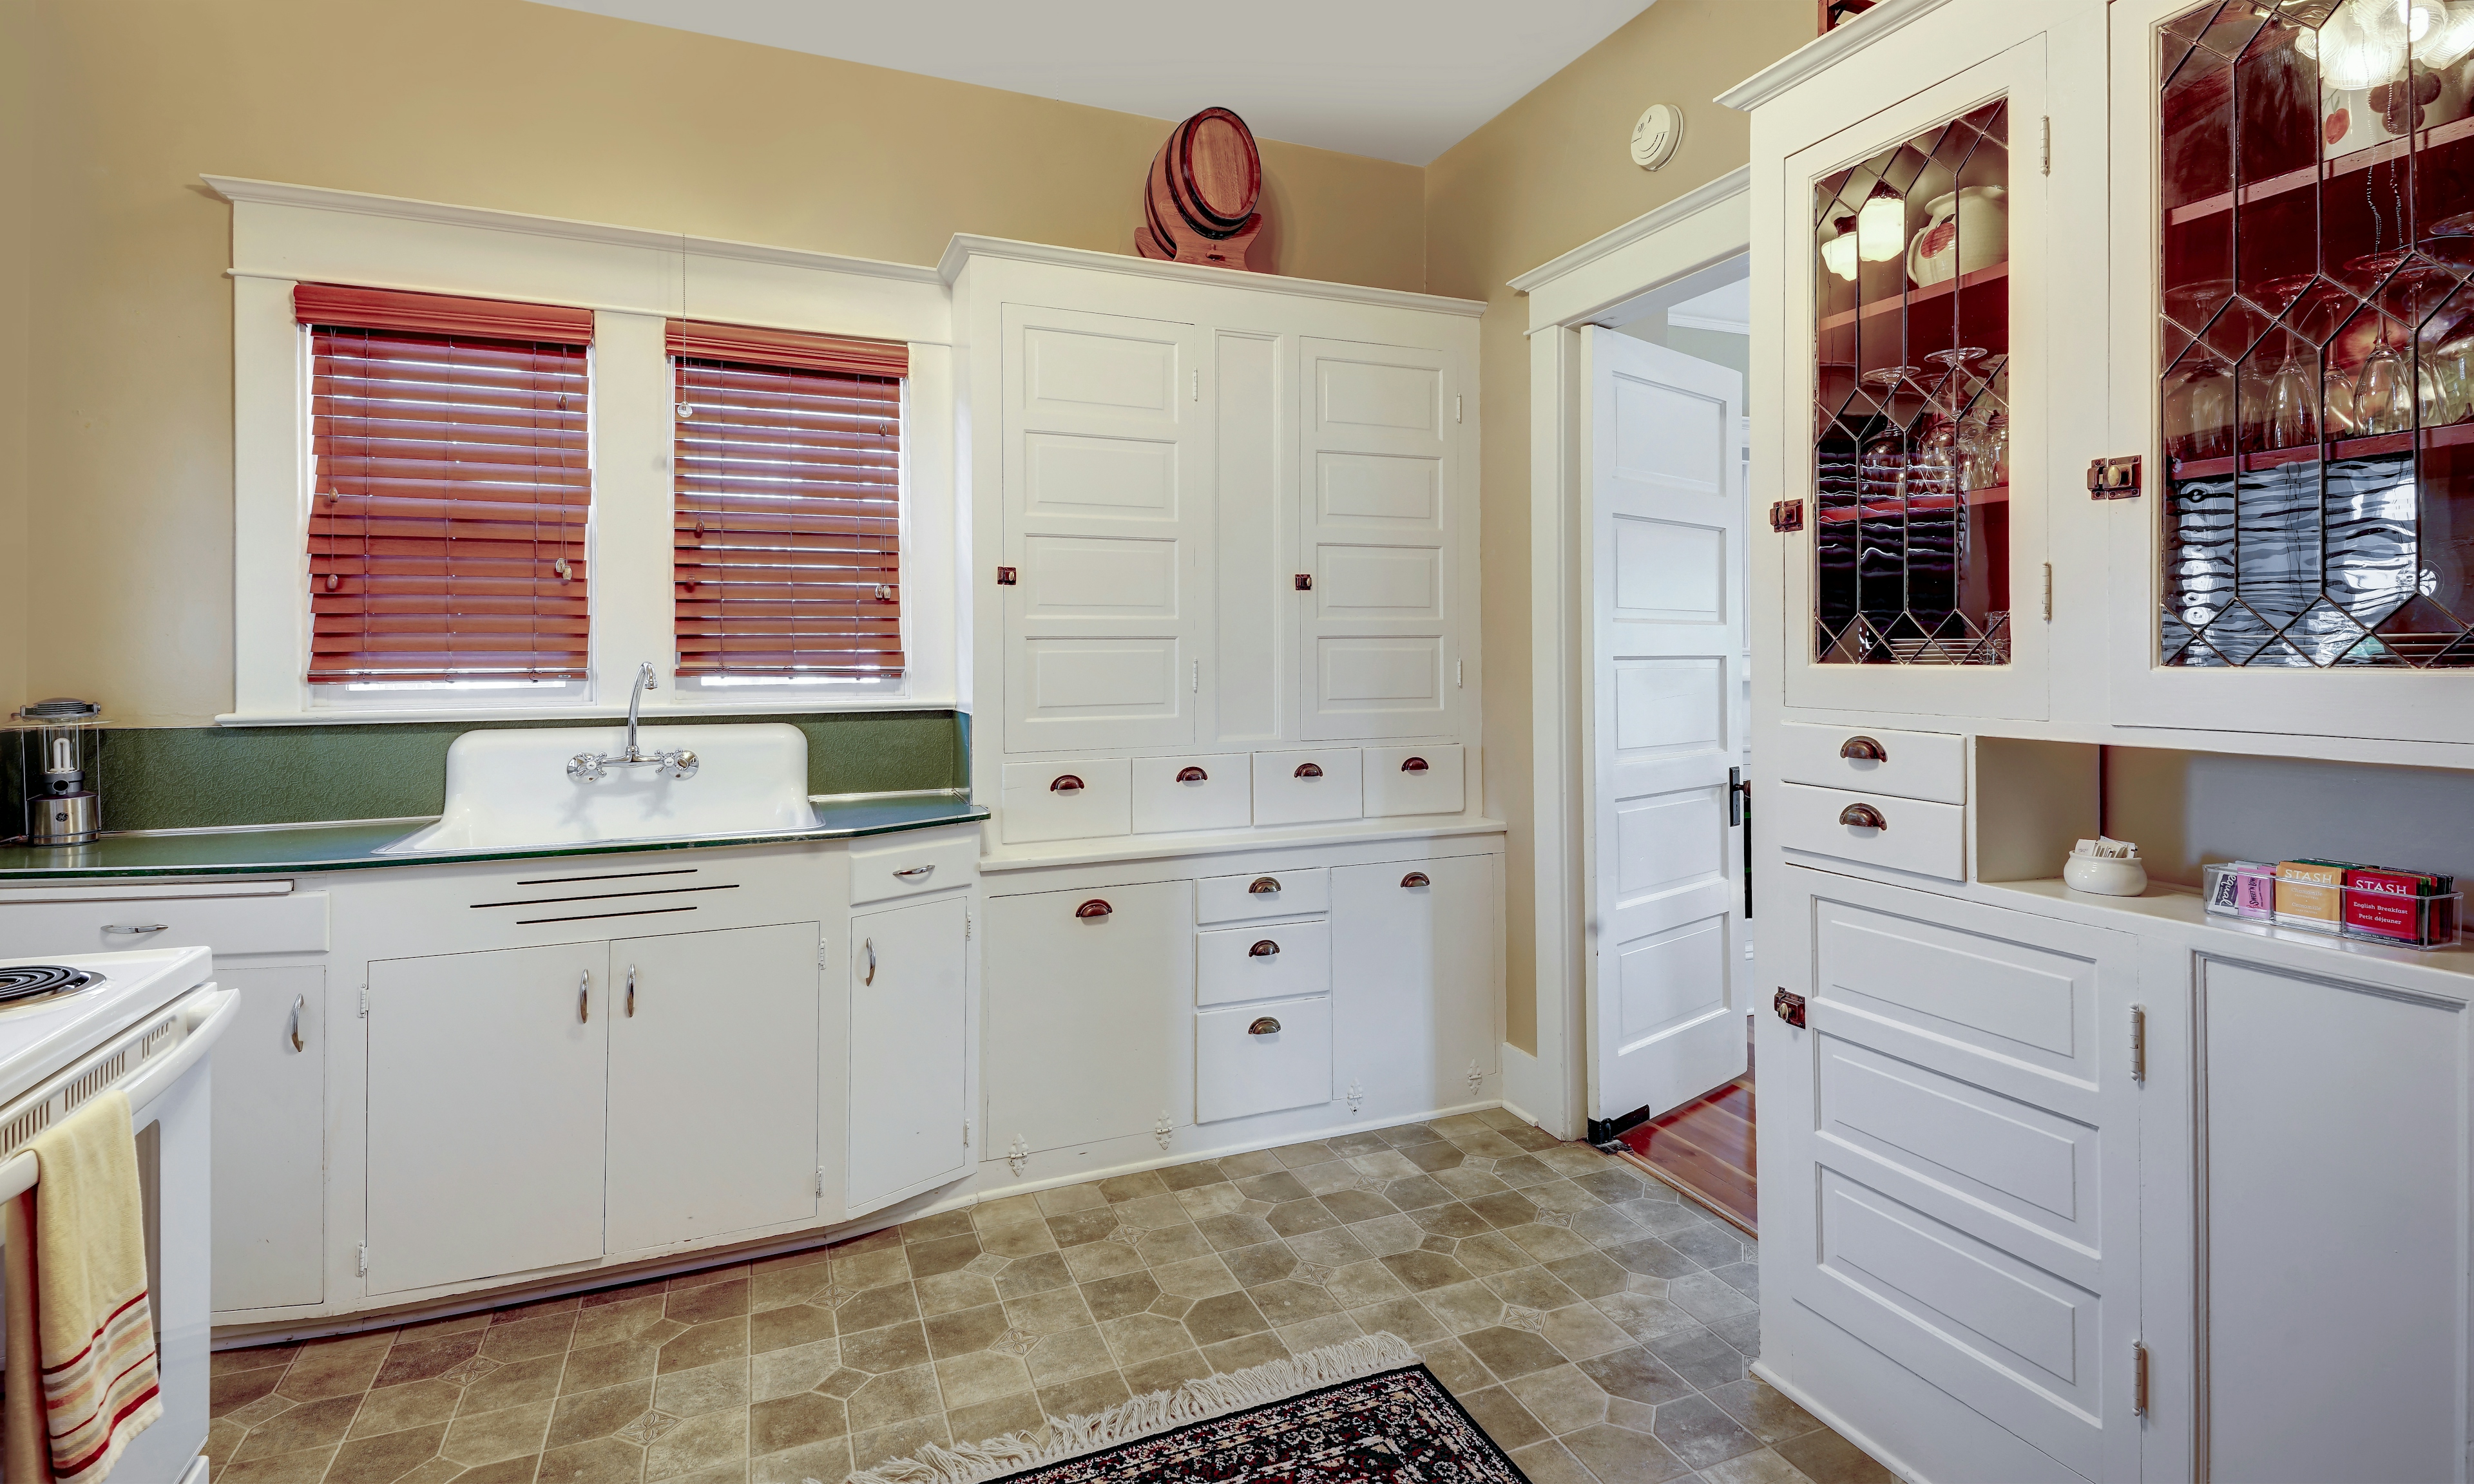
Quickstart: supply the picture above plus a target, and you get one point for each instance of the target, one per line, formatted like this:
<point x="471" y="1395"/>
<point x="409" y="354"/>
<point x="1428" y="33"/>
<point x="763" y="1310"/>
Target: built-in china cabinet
<point x="2113" y="388"/>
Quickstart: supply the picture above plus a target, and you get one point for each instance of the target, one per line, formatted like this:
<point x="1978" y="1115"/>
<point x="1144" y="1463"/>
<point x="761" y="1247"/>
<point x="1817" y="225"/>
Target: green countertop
<point x="355" y="847"/>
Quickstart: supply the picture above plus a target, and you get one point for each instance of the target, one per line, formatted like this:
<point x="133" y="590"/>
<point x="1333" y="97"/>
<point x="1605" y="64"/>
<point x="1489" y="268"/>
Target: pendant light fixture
<point x="1838" y="250"/>
<point x="1882" y="224"/>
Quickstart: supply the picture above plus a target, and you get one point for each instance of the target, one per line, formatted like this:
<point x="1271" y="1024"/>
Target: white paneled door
<point x="1667" y="638"/>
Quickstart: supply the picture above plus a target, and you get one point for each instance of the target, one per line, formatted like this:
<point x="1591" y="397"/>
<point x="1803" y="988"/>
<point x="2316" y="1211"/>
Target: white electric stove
<point x="74" y="1026"/>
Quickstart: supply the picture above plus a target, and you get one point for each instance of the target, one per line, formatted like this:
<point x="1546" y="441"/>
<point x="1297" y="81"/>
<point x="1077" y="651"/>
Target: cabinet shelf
<point x="2167" y="903"/>
<point x="1912" y="297"/>
<point x="1991" y="494"/>
<point x="2372" y="446"/>
<point x="2308" y="175"/>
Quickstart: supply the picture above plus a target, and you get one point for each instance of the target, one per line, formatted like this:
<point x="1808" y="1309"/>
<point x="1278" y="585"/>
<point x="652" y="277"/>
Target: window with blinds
<point x="450" y="485"/>
<point x="788" y="474"/>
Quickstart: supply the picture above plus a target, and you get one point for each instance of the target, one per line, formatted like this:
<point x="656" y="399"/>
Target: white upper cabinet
<point x="1107" y="503"/>
<point x="1375" y="646"/>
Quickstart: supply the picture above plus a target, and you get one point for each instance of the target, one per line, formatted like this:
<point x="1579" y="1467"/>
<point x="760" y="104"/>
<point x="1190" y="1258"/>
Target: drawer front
<point x="1073" y="800"/>
<point x="229" y="926"/>
<point x="1928" y="839"/>
<point x="907" y="865"/>
<point x="1238" y="1073"/>
<point x="1287" y="894"/>
<point x="1306" y="788"/>
<point x="1912" y="765"/>
<point x="1412" y="781"/>
<point x="1213" y="792"/>
<point x="1296" y="962"/>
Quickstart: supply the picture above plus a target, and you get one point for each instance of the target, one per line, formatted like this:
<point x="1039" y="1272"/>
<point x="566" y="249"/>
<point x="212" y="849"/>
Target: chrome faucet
<point x="675" y="762"/>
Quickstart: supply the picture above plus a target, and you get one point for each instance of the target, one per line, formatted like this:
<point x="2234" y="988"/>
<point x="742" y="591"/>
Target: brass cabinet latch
<point x="1786" y="516"/>
<point x="2114" y="479"/>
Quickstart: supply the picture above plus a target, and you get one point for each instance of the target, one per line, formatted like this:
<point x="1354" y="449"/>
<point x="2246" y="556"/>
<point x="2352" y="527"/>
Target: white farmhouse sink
<point x="510" y="789"/>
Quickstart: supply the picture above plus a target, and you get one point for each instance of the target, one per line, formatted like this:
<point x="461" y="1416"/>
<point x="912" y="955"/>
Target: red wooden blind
<point x="451" y="481"/>
<point x="787" y="473"/>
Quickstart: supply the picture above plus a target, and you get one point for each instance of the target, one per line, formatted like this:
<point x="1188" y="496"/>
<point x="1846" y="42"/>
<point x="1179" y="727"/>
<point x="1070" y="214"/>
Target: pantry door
<point x="1667" y="721"/>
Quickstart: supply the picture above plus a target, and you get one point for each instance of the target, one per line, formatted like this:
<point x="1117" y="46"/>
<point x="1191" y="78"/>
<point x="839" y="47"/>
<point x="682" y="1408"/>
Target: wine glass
<point x="2291" y="412"/>
<point x="2199" y="409"/>
<point x="1881" y="468"/>
<point x="2384" y="393"/>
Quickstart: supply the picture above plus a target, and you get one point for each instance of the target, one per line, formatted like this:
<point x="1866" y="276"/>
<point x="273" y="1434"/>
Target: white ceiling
<point x="1401" y="80"/>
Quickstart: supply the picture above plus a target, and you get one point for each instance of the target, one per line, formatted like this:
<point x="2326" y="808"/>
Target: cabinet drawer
<point x="1288" y="894"/>
<point x="1412" y="781"/>
<point x="1213" y="792"/>
<point x="229" y="926"/>
<point x="1227" y="968"/>
<point x="1928" y="839"/>
<point x="1304" y="788"/>
<point x="1071" y="800"/>
<point x="1913" y="765"/>
<point x="1238" y="1073"/>
<point x="907" y="865"/>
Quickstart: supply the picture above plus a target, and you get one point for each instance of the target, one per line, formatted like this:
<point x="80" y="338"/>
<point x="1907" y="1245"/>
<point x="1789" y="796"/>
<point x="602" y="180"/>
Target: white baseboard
<point x="1834" y="1421"/>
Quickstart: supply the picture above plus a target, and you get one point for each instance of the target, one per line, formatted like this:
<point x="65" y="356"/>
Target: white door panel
<point x="1665" y="701"/>
<point x="907" y="1052"/>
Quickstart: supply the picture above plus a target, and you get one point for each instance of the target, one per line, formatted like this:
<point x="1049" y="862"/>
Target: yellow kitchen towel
<point x="92" y="1323"/>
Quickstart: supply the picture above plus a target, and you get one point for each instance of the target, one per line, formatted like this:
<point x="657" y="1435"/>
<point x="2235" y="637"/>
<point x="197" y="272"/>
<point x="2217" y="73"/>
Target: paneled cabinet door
<point x="1935" y="262"/>
<point x="270" y="1119"/>
<point x="1949" y="1157"/>
<point x="909" y="1053"/>
<point x="1108" y="514"/>
<point x="487" y="1079"/>
<point x="1090" y="1014"/>
<point x="1378" y="536"/>
<point x="2291" y="354"/>
<point x="1416" y="973"/>
<point x="712" y="1083"/>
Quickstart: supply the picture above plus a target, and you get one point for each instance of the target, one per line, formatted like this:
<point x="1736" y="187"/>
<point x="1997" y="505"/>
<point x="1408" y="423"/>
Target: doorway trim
<point x="1703" y="227"/>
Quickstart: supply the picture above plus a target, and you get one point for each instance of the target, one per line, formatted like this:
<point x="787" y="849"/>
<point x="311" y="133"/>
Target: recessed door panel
<point x="2001" y="997"/>
<point x="1675" y="704"/>
<point x="1666" y="841"/>
<point x="1379" y="582"/>
<point x="1394" y="492"/>
<point x="1099" y="577"/>
<point x="1365" y="394"/>
<point x="1670" y="437"/>
<point x="1667" y="571"/>
<point x="1364" y="676"/>
<point x="1073" y="679"/>
<point x="1114" y="478"/>
<point x="1066" y="369"/>
<point x="2030" y="1162"/>
<point x="1670" y="980"/>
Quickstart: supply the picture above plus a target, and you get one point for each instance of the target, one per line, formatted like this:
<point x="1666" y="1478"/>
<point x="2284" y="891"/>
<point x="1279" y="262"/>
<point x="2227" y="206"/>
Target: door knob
<point x="1862" y="749"/>
<point x="1863" y="816"/>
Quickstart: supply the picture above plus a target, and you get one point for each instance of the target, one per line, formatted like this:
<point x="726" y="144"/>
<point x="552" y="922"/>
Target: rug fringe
<point x="1197" y="1401"/>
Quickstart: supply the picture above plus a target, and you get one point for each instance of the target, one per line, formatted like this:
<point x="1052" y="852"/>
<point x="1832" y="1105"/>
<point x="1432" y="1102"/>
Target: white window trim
<point x="635" y="282"/>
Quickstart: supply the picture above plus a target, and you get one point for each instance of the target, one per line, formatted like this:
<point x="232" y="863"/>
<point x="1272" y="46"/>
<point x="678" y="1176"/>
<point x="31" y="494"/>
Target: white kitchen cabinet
<point x="1090" y="1007"/>
<point x="908" y="1051"/>
<point x="1259" y="1059"/>
<point x="270" y="1119"/>
<point x="712" y="1083"/>
<point x="488" y="1084"/>
<point x="1416" y="973"/>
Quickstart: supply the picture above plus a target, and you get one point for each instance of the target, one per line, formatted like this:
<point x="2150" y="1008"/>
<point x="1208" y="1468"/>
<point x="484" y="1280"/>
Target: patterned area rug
<point x="1396" y="1424"/>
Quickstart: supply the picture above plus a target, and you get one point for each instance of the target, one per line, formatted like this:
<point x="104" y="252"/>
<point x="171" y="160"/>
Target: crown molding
<point x="964" y="247"/>
<point x="312" y="197"/>
<point x="1853" y="35"/>
<point x="1735" y="182"/>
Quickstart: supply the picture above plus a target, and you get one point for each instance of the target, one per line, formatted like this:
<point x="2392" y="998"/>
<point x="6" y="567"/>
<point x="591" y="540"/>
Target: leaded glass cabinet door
<point x="1920" y="247"/>
<point x="2293" y="345"/>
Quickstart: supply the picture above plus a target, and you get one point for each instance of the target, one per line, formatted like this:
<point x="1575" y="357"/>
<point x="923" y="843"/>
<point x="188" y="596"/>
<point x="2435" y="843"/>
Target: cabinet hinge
<point x="361" y="1261"/>
<point x="2049" y="144"/>
<point x="2138" y="1043"/>
<point x="1456" y="409"/>
<point x="820" y="1181"/>
<point x="1164" y="1130"/>
<point x="1197" y="374"/>
<point x="2048" y="593"/>
<point x="822" y="960"/>
<point x="1458" y="681"/>
<point x="364" y="1002"/>
<point x="966" y="1133"/>
<point x="2138" y="1378"/>
<point x="1194" y="684"/>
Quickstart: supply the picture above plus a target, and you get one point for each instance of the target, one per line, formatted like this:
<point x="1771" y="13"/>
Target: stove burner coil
<point x="22" y="984"/>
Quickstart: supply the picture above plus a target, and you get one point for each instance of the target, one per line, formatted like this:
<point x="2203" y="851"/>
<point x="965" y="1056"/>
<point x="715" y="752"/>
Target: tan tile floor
<point x="1594" y="1322"/>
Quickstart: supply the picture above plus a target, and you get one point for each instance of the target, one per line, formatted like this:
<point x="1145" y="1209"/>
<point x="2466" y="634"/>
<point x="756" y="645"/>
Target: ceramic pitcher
<point x="1963" y="231"/>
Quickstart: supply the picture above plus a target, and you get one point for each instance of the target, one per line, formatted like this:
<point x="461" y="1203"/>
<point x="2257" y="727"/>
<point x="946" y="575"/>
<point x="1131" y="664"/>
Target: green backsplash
<point x="177" y="778"/>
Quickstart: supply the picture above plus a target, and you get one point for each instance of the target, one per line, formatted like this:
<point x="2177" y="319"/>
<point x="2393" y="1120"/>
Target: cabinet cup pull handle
<point x="1264" y="949"/>
<point x="1264" y="886"/>
<point x="913" y="872"/>
<point x="135" y="929"/>
<point x="1413" y="765"/>
<point x="1065" y="783"/>
<point x="1192" y="775"/>
<point x="1863" y="750"/>
<point x="300" y="1002"/>
<point x="1863" y="816"/>
<point x="631" y="992"/>
<point x="1308" y="769"/>
<point x="1266" y="1026"/>
<point x="870" y="976"/>
<point x="1416" y="878"/>
<point x="1094" y="908"/>
<point x="584" y="999"/>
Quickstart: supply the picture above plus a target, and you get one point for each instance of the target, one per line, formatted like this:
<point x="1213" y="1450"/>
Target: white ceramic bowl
<point x="2104" y="875"/>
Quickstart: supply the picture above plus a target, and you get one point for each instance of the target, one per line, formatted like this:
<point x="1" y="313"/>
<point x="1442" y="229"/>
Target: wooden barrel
<point x="1199" y="198"/>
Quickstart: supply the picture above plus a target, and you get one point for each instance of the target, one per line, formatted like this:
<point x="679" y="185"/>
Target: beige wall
<point x="15" y="164"/>
<point x="1547" y="175"/>
<point x="489" y="103"/>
